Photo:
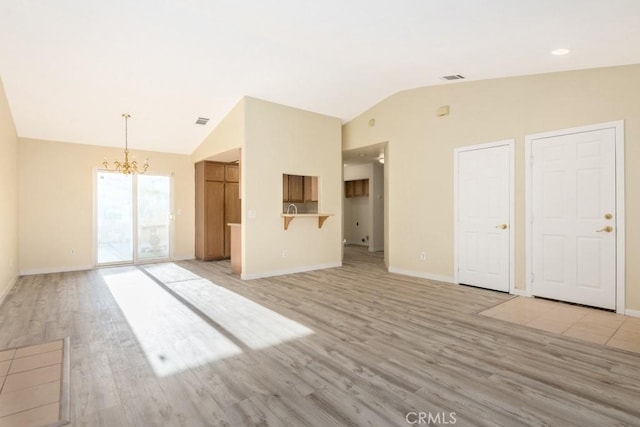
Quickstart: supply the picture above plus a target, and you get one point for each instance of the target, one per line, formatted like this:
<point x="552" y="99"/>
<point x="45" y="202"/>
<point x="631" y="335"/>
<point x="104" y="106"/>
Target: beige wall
<point x="56" y="202"/>
<point x="279" y="140"/>
<point x="419" y="160"/>
<point x="8" y="197"/>
<point x="227" y="135"/>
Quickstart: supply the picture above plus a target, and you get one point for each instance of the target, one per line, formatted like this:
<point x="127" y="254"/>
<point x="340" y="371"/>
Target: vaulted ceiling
<point x="71" y="67"/>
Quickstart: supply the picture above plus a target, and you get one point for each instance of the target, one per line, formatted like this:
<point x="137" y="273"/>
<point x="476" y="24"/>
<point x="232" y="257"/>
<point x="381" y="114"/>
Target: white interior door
<point x="483" y="228"/>
<point x="573" y="225"/>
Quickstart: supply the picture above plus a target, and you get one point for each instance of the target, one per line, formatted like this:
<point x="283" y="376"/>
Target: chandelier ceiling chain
<point x="127" y="167"/>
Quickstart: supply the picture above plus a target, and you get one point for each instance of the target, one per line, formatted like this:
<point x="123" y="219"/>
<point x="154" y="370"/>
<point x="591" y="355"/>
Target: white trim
<point x="618" y="125"/>
<point x="634" y="313"/>
<point x="12" y="283"/>
<point x="620" y="220"/>
<point x="519" y="292"/>
<point x="182" y="258"/>
<point x="48" y="270"/>
<point x="510" y="143"/>
<point x="423" y="275"/>
<point x="252" y="276"/>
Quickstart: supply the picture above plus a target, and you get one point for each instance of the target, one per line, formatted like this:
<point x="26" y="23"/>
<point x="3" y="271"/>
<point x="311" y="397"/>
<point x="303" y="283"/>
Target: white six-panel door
<point x="483" y="223"/>
<point x="573" y="223"/>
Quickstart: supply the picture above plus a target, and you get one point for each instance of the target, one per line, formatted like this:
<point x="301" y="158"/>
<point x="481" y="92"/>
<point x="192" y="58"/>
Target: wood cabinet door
<point x="214" y="219"/>
<point x="357" y="188"/>
<point x="200" y="199"/>
<point x="231" y="212"/>
<point x="285" y="187"/>
<point x="213" y="171"/>
<point x="231" y="173"/>
<point x="310" y="188"/>
<point x="296" y="188"/>
<point x="348" y="189"/>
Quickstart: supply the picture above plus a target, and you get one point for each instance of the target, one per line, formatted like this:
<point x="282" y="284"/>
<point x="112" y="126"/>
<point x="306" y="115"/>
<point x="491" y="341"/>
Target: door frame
<point x="529" y="140"/>
<point x="510" y="143"/>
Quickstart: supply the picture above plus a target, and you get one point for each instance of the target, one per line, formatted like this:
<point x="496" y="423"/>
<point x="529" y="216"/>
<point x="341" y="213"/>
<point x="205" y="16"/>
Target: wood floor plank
<point x="378" y="346"/>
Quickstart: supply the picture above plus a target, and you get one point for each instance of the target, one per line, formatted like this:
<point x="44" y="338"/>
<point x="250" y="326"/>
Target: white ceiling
<point x="71" y="67"/>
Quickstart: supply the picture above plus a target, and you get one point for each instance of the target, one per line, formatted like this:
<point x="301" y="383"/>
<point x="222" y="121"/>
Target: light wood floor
<point x="191" y="345"/>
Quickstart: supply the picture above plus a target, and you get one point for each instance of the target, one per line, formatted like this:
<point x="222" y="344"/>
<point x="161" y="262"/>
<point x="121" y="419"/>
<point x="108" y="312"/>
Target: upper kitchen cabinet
<point x="356" y="188"/>
<point x="299" y="188"/>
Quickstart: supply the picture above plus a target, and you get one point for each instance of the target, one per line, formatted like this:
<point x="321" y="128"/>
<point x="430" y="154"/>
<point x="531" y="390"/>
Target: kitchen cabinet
<point x="231" y="173"/>
<point x="299" y="188"/>
<point x="296" y="188"/>
<point x="217" y="204"/>
<point x="356" y="188"/>
<point x="310" y="189"/>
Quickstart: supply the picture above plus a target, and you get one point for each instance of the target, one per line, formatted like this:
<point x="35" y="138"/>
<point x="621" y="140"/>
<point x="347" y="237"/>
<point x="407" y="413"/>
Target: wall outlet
<point x="423" y="256"/>
<point x="285" y="253"/>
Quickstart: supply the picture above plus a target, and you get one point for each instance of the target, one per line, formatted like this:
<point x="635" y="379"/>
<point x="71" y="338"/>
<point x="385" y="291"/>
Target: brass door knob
<point x="607" y="229"/>
<point x="502" y="226"/>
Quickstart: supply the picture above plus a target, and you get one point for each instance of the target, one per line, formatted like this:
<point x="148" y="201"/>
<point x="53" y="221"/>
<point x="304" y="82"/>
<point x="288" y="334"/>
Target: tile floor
<point x="589" y="324"/>
<point x="30" y="384"/>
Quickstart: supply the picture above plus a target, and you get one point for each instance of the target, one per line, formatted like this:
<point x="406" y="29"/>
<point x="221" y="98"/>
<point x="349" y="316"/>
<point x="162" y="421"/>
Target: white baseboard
<point x="183" y="258"/>
<point x="357" y="243"/>
<point x="519" y="292"/>
<point x="251" y="276"/>
<point x="634" y="313"/>
<point x="12" y="283"/>
<point x="48" y="270"/>
<point x="422" y="275"/>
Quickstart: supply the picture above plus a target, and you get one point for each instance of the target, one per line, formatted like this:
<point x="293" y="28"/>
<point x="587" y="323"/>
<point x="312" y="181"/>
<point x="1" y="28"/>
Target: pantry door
<point x="484" y="215"/>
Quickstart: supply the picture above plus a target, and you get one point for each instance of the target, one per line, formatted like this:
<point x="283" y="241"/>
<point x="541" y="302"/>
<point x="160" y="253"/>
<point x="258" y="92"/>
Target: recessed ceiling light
<point x="560" y="51"/>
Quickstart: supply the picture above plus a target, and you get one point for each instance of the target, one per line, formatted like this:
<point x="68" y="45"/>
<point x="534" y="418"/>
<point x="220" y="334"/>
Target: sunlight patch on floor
<point x="172" y="337"/>
<point x="251" y="323"/>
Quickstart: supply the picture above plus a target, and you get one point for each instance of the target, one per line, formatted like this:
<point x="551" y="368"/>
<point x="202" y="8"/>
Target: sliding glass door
<point x="114" y="217"/>
<point x="133" y="218"/>
<point x="154" y="216"/>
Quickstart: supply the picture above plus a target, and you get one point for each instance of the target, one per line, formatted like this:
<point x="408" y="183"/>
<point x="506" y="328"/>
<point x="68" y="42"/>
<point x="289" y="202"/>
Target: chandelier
<point x="127" y="167"/>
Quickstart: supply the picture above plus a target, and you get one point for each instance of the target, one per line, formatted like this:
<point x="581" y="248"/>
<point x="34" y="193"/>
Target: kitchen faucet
<point x="295" y="209"/>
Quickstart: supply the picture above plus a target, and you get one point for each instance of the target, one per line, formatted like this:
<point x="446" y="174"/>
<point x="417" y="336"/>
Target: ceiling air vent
<point x="202" y="121"/>
<point x="453" y="77"/>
